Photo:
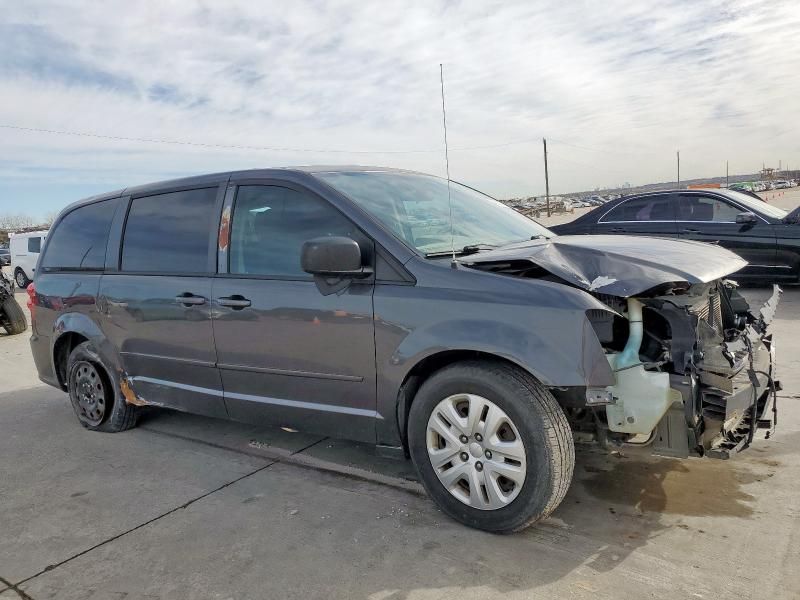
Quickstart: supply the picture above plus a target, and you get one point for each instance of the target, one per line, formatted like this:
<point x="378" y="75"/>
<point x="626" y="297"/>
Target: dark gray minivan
<point x="403" y="310"/>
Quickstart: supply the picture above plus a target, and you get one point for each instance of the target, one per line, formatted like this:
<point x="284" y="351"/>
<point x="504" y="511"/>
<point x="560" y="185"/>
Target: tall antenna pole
<point x="679" y="169"/>
<point x="546" y="177"/>
<point x="726" y="174"/>
<point x="454" y="264"/>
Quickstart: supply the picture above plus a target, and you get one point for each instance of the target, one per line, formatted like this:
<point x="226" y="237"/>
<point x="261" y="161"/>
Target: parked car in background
<point x="765" y="236"/>
<point x="25" y="249"/>
<point x="329" y="301"/>
<point x="5" y="257"/>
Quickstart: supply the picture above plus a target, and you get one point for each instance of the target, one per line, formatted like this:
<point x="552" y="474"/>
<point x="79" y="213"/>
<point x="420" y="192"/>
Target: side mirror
<point x="745" y="218"/>
<point x="333" y="257"/>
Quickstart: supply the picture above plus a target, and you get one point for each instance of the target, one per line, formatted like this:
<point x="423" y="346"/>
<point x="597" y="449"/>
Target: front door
<point x="290" y="352"/>
<point x="708" y="218"/>
<point x="653" y="215"/>
<point x="157" y="306"/>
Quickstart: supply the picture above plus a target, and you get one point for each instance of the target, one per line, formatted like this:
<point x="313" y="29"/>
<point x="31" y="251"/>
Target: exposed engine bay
<point x="693" y="365"/>
<point x="696" y="360"/>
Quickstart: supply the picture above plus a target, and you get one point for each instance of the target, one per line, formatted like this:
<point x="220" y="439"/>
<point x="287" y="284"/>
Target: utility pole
<point x="726" y="174"/>
<point x="679" y="169"/>
<point x="546" y="178"/>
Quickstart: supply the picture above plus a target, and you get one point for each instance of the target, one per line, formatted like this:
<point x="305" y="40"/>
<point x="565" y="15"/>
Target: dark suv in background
<point x="392" y="308"/>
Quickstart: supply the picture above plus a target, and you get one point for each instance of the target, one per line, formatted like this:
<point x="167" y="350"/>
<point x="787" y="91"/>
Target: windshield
<point x="415" y="208"/>
<point x="756" y="206"/>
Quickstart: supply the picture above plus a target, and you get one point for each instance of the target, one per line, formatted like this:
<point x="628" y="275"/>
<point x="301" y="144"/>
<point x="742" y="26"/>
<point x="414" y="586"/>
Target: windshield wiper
<point x="468" y="249"/>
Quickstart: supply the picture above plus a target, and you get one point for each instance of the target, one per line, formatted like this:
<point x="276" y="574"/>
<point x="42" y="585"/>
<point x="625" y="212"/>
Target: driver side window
<point x="271" y="224"/>
<point x="692" y="207"/>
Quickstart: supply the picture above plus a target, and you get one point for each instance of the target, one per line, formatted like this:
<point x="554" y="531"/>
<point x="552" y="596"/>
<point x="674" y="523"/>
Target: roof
<point x="216" y="178"/>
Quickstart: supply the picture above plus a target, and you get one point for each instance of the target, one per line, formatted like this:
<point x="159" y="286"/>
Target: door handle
<point x="188" y="299"/>
<point x="689" y="230"/>
<point x="236" y="302"/>
<point x="617" y="230"/>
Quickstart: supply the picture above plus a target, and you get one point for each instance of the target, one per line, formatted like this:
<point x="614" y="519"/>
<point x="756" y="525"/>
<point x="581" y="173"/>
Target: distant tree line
<point x="14" y="222"/>
<point x="18" y="223"/>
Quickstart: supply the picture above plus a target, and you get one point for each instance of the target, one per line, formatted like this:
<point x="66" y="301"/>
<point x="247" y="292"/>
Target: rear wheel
<point x="11" y="316"/>
<point x="21" y="279"/>
<point x="94" y="399"/>
<point x="491" y="445"/>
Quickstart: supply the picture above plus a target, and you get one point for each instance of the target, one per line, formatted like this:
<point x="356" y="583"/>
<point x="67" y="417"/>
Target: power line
<point x="247" y="147"/>
<point x="206" y="145"/>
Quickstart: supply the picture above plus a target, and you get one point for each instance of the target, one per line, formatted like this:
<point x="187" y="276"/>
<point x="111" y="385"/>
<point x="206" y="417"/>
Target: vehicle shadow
<point x="618" y="504"/>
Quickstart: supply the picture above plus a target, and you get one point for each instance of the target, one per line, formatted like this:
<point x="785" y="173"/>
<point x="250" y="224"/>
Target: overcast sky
<point x="616" y="87"/>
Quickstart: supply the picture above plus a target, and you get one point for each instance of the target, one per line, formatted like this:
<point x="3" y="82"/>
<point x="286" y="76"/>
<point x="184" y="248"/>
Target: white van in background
<point x="25" y="249"/>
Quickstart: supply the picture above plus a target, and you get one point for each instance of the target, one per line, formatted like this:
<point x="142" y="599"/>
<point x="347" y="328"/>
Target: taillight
<point x="31" y="298"/>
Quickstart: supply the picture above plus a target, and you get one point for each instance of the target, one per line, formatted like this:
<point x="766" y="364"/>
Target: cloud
<point x="616" y="86"/>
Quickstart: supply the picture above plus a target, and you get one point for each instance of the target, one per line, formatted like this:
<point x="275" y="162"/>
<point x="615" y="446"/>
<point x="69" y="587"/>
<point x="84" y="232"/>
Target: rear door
<point x="711" y="218"/>
<point x="290" y="350"/>
<point x="653" y="214"/>
<point x="157" y="303"/>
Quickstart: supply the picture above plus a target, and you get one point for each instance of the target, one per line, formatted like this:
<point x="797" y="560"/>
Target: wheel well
<point x="64" y="346"/>
<point x="424" y="369"/>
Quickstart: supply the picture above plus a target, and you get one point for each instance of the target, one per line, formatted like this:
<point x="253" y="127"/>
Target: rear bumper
<point x="43" y="359"/>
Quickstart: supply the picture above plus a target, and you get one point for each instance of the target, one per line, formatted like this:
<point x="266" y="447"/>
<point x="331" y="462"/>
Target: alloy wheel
<point x="476" y="451"/>
<point x="20" y="277"/>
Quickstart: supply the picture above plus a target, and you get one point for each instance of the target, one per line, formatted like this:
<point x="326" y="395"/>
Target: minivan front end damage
<point x="693" y="366"/>
<point x="695" y="375"/>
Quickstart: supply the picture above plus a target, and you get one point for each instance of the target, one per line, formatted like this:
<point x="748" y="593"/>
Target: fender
<point x="82" y="324"/>
<point x="548" y="353"/>
<point x="558" y="347"/>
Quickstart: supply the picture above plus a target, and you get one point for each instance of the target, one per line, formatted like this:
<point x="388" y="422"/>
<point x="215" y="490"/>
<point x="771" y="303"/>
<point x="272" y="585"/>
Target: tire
<point x="86" y="375"/>
<point x="12" y="317"/>
<point x="21" y="279"/>
<point x="535" y="435"/>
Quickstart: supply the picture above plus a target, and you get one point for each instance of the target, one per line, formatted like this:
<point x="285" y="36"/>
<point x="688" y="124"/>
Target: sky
<point x="617" y="87"/>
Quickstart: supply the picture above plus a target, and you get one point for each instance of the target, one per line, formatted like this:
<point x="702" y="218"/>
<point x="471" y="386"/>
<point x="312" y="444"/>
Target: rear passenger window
<point x="79" y="240"/>
<point x="170" y="233"/>
<point x="271" y="224"/>
<point x="646" y="208"/>
<point x="34" y="245"/>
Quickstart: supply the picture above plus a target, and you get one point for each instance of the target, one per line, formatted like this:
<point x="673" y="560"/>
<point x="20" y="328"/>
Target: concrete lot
<point x="188" y="507"/>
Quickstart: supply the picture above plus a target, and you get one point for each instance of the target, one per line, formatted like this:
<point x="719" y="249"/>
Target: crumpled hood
<point x="618" y="265"/>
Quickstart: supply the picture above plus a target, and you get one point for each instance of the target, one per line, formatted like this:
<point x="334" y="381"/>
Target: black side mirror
<point x="745" y="218"/>
<point x="333" y="257"/>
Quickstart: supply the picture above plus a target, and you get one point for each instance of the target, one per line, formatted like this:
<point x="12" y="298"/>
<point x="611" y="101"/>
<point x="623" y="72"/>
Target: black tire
<point x="117" y="415"/>
<point x="12" y="317"/>
<point x="543" y="429"/>
<point x="21" y="279"/>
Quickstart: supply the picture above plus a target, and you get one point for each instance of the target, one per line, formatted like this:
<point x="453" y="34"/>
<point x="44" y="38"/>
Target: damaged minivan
<point x="406" y="311"/>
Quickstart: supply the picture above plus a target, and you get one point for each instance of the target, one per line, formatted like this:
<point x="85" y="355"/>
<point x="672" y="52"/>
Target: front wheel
<point x="492" y="446"/>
